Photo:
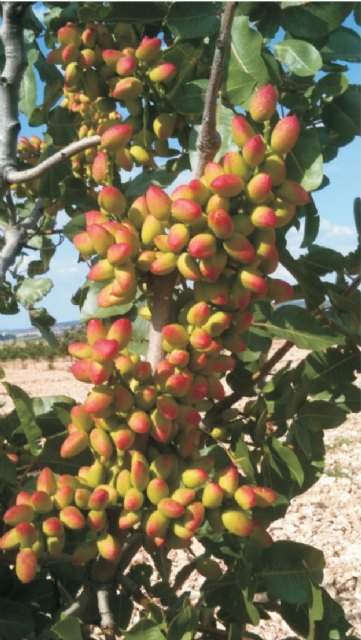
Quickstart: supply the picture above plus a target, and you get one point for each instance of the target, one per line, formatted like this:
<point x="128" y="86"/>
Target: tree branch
<point x="209" y="140"/>
<point x="161" y="288"/>
<point x="15" y="64"/>
<point x="12" y="176"/>
<point x="15" y="235"/>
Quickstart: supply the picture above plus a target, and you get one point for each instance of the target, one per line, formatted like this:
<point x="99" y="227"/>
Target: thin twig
<point x="12" y="176"/>
<point x="209" y="140"/>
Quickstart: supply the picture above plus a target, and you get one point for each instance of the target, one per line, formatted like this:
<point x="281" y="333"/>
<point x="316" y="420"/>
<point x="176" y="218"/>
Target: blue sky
<point x="337" y="230"/>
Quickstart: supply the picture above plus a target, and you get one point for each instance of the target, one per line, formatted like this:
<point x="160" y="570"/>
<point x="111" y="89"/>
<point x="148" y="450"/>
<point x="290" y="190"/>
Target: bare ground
<point x="328" y="516"/>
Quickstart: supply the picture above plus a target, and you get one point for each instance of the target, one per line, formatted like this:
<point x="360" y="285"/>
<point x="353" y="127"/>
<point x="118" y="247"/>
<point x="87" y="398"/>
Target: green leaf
<point x="50" y="182"/>
<point x="62" y="126"/>
<point x="140" y="184"/>
<point x="343" y="114"/>
<point x="304" y="163"/>
<point x="185" y="56"/>
<point x="300" y="57"/>
<point x="140" y="12"/>
<point x="246" y="68"/>
<point x="224" y="117"/>
<point x="322" y="260"/>
<point x="312" y="225"/>
<point x="8" y="303"/>
<point x="194" y="19"/>
<point x="330" y="86"/>
<point x="343" y="44"/>
<point x="297" y="325"/>
<point x="242" y="458"/>
<point x="321" y="415"/>
<point x="65" y="629"/>
<point x="27" y="97"/>
<point x="289" y="459"/>
<point x="32" y="290"/>
<point x="184" y="625"/>
<point x="313" y="20"/>
<point x="7" y="471"/>
<point x="75" y="225"/>
<point x="42" y="320"/>
<point x="288" y="568"/>
<point x="25" y="412"/>
<point x="144" y="630"/>
<point x="90" y="308"/>
<point x="17" y="621"/>
<point x="191" y="98"/>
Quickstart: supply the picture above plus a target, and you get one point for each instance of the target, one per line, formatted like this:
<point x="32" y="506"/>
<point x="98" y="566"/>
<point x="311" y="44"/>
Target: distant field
<point x="31" y="348"/>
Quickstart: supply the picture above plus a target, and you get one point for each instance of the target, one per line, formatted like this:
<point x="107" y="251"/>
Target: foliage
<point x="148" y="116"/>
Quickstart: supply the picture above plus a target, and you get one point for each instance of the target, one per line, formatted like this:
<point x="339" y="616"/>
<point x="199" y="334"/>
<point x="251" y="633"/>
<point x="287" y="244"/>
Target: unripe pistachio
<point x="275" y="166"/>
<point x="72" y="518"/>
<point x="212" y="496"/>
<point x="254" y="151"/>
<point x="163" y="125"/>
<point x="127" y="89"/>
<point x="263" y="217"/>
<point x="46" y="481"/>
<point x="178" y="237"/>
<point x="194" y="478"/>
<point x="227" y="185"/>
<point x="263" y="103"/>
<point x="74" y="444"/>
<point x="101" y="443"/>
<point x="157" y="489"/>
<point x="239" y="248"/>
<point x="237" y="522"/>
<point x="126" y="65"/>
<point x="186" y="211"/>
<point x="242" y="131"/>
<point x="233" y="163"/>
<point x="158" y="202"/>
<point x="163" y="72"/>
<point x="202" y="245"/>
<point x="148" y="49"/>
<point x="141" y="155"/>
<point x="293" y="192"/>
<point x="251" y="279"/>
<point x="109" y="547"/>
<point x="99" y="272"/>
<point x="26" y="565"/>
<point x="176" y="335"/>
<point x="99" y="399"/>
<point x="112" y="200"/>
<point x="265" y="496"/>
<point x="245" y="497"/>
<point x="279" y="291"/>
<point x="188" y="267"/>
<point x="220" y="223"/>
<point x="285" y="134"/>
<point x="95" y="330"/>
<point x="156" y="525"/>
<point x="259" y="188"/>
<point x="164" y="263"/>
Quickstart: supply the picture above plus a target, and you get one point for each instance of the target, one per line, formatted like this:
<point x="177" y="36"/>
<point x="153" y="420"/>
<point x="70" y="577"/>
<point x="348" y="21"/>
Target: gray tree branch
<point x="12" y="176"/>
<point x="15" y="235"/>
<point x="15" y="64"/>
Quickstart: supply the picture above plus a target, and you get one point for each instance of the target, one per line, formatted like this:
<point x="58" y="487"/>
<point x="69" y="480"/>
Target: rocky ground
<point x="328" y="516"/>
